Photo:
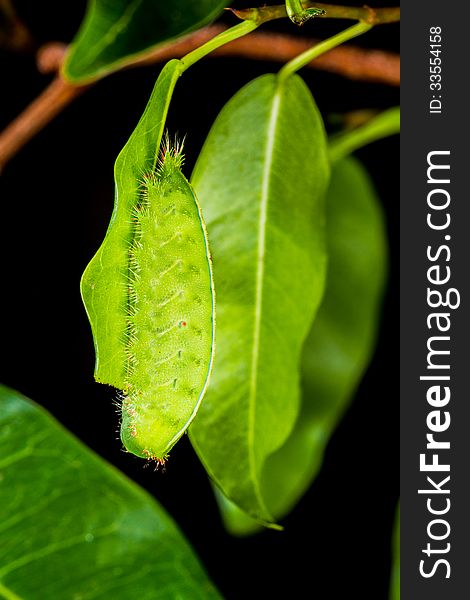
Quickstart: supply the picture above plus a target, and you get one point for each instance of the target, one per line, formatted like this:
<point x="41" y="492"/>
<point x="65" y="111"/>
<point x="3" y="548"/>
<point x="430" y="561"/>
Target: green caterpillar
<point x="171" y="307"/>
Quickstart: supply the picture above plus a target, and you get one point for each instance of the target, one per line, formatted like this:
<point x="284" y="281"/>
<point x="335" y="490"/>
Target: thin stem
<point x="300" y="15"/>
<point x="303" y="59"/>
<point x="294" y="10"/>
<point x="229" y="35"/>
<point x="383" y="125"/>
<point x="349" y="61"/>
<point x="372" y="16"/>
<point x="355" y="63"/>
<point x="7" y="593"/>
<point x="359" y="64"/>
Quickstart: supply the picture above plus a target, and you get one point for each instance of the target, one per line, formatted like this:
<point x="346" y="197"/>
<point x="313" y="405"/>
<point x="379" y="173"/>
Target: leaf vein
<point x="115" y="29"/>
<point x="262" y="224"/>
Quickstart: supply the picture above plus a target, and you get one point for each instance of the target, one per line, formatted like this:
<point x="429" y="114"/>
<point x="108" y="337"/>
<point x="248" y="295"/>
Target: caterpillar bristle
<point x="171" y="155"/>
<point x="164" y="217"/>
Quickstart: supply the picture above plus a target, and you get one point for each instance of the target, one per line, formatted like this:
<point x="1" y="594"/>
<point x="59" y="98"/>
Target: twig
<point x="40" y="112"/>
<point x="50" y="57"/>
<point x="351" y="62"/>
<point x="372" y="16"/>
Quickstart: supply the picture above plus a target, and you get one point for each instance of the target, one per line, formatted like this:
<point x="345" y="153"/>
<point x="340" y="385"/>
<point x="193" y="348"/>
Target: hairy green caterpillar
<point x="170" y="321"/>
<point x="148" y="290"/>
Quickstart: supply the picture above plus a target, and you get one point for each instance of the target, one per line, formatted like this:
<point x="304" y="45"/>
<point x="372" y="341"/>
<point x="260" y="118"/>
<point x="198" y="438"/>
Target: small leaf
<point x="261" y="179"/>
<point x="72" y="526"/>
<point x="339" y="345"/>
<point x="103" y="287"/>
<point x="114" y="33"/>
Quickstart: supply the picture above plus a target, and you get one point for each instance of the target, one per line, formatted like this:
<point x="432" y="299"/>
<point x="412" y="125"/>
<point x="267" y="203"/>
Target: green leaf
<point x="103" y="287"/>
<point x="116" y="32"/>
<point x="380" y="126"/>
<point x="339" y="345"/>
<point x="261" y="180"/>
<point x="72" y="526"/>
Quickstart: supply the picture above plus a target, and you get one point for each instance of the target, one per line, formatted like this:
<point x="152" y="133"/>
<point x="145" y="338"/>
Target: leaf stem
<point x="300" y="15"/>
<point x="372" y="16"/>
<point x="303" y="59"/>
<point x="7" y="593"/>
<point x="223" y="38"/>
<point x="385" y="124"/>
<point x="348" y="61"/>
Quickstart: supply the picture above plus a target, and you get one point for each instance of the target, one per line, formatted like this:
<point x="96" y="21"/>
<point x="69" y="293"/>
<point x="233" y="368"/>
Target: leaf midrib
<point x="262" y="223"/>
<point x="115" y="29"/>
<point x="7" y="593"/>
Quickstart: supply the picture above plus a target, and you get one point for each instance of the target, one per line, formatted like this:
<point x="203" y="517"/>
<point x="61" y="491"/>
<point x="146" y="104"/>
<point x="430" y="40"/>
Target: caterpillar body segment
<point x="171" y="313"/>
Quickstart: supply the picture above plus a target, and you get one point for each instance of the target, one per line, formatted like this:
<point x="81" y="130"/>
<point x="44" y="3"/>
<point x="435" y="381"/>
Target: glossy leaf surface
<point x="114" y="33"/>
<point x="261" y="180"/>
<point x="339" y="345"/>
<point x="72" y="526"/>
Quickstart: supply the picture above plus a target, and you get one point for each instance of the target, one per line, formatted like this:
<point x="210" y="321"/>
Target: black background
<point x="56" y="200"/>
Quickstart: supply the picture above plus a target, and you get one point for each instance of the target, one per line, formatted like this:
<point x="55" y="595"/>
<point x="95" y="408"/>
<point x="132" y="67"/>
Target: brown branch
<point x="352" y="62"/>
<point x="372" y="16"/>
<point x="38" y="114"/>
<point x="50" y="57"/>
<point x="349" y="61"/>
<point x="374" y="66"/>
